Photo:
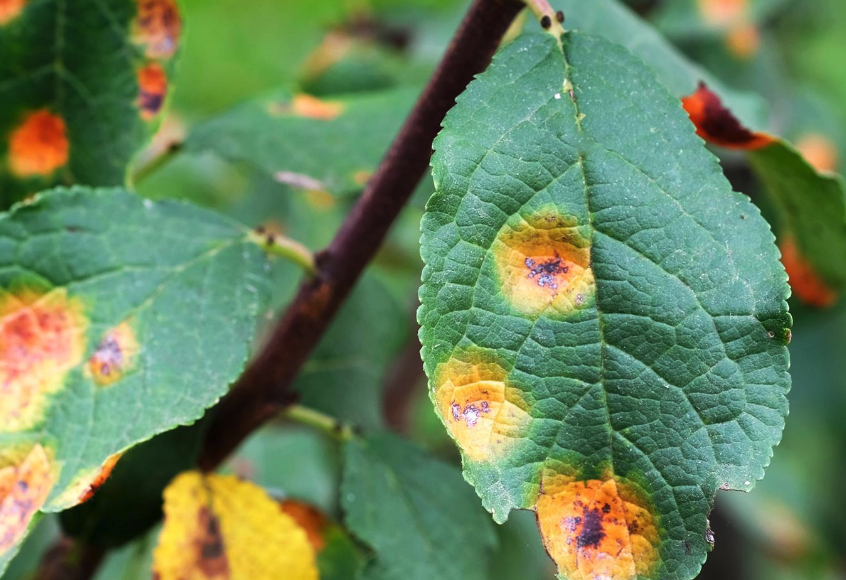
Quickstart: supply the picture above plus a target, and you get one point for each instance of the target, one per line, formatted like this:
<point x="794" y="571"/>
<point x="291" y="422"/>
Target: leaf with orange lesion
<point x="39" y="145"/>
<point x="24" y="487"/>
<point x="10" y="9"/>
<point x="42" y="337"/>
<point x="599" y="528"/>
<point x="158" y="27"/>
<point x="717" y="124"/>
<point x="221" y="528"/>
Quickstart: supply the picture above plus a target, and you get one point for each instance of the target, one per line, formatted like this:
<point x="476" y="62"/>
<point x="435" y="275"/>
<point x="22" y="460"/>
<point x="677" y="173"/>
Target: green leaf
<point x="603" y="319"/>
<point x="619" y="24"/>
<point x="119" y="318"/>
<point x="80" y="89"/>
<point x="812" y="212"/>
<point x="414" y="511"/>
<point x="346" y="137"/>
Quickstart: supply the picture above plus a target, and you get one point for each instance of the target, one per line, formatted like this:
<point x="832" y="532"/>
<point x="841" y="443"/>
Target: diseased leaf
<point x="811" y="203"/>
<point x="346" y="137"/>
<point x="603" y="319"/>
<point x="110" y="305"/>
<point x="619" y="24"/>
<point x="80" y="88"/>
<point x="217" y="526"/>
<point x="414" y="512"/>
<point x="723" y="119"/>
<point x="129" y="503"/>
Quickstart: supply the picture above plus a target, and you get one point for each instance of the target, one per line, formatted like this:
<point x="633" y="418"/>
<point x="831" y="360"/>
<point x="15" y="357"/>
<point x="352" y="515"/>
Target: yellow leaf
<point x="221" y="528"/>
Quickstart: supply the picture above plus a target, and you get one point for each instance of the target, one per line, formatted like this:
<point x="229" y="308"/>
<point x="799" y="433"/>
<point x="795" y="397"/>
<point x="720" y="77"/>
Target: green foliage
<point x="82" y="67"/>
<point x="269" y="133"/>
<point x="589" y="269"/>
<point x="812" y="208"/>
<point x="415" y="512"/>
<point x="609" y="408"/>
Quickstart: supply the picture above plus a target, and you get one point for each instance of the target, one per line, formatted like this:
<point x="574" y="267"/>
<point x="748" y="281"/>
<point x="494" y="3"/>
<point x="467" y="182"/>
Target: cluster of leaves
<point x="604" y="322"/>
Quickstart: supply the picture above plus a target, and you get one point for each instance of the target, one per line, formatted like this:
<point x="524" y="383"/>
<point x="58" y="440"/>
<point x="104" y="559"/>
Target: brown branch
<point x="265" y="387"/>
<point x="401" y="387"/>
<point x="68" y="559"/>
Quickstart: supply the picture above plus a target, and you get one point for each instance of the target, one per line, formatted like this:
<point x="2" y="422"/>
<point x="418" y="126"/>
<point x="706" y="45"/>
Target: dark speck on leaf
<point x="559" y="16"/>
<point x="546" y="22"/>
<point x="592" y="532"/>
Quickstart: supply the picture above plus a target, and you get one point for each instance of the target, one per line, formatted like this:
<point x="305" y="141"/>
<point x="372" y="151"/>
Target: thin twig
<point x="157" y="162"/>
<point x="68" y="559"/>
<point x="320" y="421"/>
<point x="264" y="389"/>
<point x="279" y="245"/>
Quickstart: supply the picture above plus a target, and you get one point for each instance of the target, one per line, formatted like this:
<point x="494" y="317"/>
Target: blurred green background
<point x="367" y="369"/>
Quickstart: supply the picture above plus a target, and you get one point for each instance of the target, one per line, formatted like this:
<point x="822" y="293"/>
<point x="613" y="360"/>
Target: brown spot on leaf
<point x="152" y="90"/>
<point x="804" y="281"/>
<point x="24" y="488"/>
<point x="717" y="125"/>
<point x="210" y="550"/>
<point x="598" y="529"/>
<point x="483" y="413"/>
<point x="819" y="151"/>
<point x="543" y="264"/>
<point x="114" y="355"/>
<point x="38" y="146"/>
<point x="309" y="519"/>
<point x="157" y="27"/>
<point x="42" y="336"/>
<point x="10" y="9"/>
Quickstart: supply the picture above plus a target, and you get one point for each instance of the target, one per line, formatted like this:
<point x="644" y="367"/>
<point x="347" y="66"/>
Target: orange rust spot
<point x="598" y="529"/>
<point x="723" y="12"/>
<point x="314" y="108"/>
<point x="39" y="145"/>
<point x="152" y="89"/>
<point x="819" y="151"/>
<point x="42" y="336"/>
<point x="483" y="413"/>
<point x="716" y="124"/>
<point x="10" y="9"/>
<point x="804" y="281"/>
<point x="309" y="519"/>
<point x="744" y="40"/>
<point x="114" y="355"/>
<point x="83" y="486"/>
<point x="543" y="264"/>
<point x="24" y="488"/>
<point x="157" y="27"/>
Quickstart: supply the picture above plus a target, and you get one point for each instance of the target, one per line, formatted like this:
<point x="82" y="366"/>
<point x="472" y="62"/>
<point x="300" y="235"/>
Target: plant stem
<point x="264" y="388"/>
<point x="319" y="421"/>
<point x="287" y="248"/>
<point x="156" y="163"/>
<point x="543" y="9"/>
<point x="68" y="559"/>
